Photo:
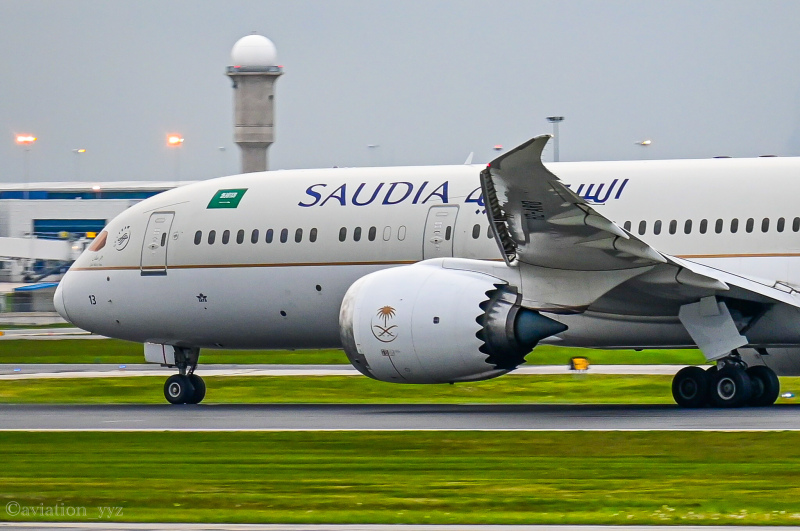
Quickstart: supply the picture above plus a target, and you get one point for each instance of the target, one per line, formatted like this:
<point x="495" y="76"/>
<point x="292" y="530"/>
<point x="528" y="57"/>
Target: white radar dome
<point x="254" y="50"/>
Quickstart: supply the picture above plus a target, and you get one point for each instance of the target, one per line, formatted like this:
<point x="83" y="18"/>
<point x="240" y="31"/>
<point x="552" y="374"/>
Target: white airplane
<point x="455" y="273"/>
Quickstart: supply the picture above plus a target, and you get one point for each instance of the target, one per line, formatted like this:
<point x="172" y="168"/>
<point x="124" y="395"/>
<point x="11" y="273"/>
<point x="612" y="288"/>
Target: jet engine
<point x="424" y="323"/>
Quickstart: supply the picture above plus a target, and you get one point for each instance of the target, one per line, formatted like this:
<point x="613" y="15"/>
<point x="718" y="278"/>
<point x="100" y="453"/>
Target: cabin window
<point x="270" y="235"/>
<point x="448" y="232"/>
<point x="163" y="239"/>
<point x="718" y="226"/>
<point x="226" y="237"/>
<point x="749" y="225"/>
<point x="734" y="225"/>
<point x="298" y="235"/>
<point x="657" y="227"/>
<point x="673" y="226"/>
<point x="312" y="236"/>
<point x="627" y="226"/>
<point x="476" y="231"/>
<point x="796" y="225"/>
<point x="642" y="228"/>
<point x="357" y="234"/>
<point x="687" y="227"/>
<point x="387" y="234"/>
<point x="781" y="225"/>
<point x="240" y="236"/>
<point x="401" y="233"/>
<point x="342" y="234"/>
<point x="212" y="236"/>
<point x="254" y="236"/>
<point x="703" y="226"/>
<point x="373" y="231"/>
<point x="489" y="232"/>
<point x="765" y="225"/>
<point x="284" y="235"/>
<point x="198" y="237"/>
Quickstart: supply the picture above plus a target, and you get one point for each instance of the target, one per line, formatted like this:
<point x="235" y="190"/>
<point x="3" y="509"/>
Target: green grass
<point x="662" y="478"/>
<point x="559" y="389"/>
<point x="116" y="351"/>
<point x="127" y="352"/>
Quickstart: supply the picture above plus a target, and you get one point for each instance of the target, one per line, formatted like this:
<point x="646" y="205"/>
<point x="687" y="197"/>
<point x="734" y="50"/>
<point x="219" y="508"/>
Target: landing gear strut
<point x="185" y="387"/>
<point x="730" y="384"/>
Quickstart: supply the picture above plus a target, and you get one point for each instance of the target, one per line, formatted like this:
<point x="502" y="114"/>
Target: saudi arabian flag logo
<point x="227" y="198"/>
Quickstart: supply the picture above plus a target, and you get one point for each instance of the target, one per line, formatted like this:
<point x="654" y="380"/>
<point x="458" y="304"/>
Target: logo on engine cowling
<point x="385" y="333"/>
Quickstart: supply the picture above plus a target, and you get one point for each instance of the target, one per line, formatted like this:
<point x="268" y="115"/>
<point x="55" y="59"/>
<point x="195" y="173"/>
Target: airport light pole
<point x="555" y="120"/>
<point x="78" y="152"/>
<point x="175" y="141"/>
<point x="644" y="144"/>
<point x="224" y="158"/>
<point x="372" y="150"/>
<point x="26" y="141"/>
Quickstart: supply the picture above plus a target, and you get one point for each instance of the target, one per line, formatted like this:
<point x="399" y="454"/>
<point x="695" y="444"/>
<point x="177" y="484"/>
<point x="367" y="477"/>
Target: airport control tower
<point x="253" y="73"/>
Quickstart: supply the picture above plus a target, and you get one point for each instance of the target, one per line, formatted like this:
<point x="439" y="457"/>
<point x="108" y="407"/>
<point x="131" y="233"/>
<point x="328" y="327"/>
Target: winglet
<point x="469" y="158"/>
<point x="523" y="156"/>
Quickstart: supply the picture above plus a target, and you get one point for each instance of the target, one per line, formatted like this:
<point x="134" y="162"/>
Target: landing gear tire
<point x="199" y="389"/>
<point x="766" y="386"/>
<point x="690" y="387"/>
<point x="178" y="389"/>
<point x="730" y="387"/>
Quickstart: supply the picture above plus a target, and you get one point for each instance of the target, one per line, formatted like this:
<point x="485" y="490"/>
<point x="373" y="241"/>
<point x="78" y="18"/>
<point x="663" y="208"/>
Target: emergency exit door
<point x="154" y="248"/>
<point x="440" y="229"/>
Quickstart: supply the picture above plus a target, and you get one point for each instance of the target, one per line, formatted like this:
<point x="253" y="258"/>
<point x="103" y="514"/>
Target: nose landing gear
<point x="185" y="387"/>
<point x="730" y="384"/>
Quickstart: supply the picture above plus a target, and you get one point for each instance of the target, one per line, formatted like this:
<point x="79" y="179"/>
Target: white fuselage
<point x="297" y="240"/>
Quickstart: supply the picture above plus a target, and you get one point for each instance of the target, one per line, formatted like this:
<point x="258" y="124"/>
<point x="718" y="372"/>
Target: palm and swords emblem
<point x="387" y="332"/>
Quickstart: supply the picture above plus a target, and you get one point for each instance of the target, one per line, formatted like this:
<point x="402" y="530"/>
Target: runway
<point x="360" y="417"/>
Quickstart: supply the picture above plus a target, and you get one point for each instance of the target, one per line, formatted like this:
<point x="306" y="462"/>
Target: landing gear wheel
<point x="690" y="387"/>
<point x="178" y="389"/>
<point x="766" y="386"/>
<point x="199" y="389"/>
<point x="730" y="387"/>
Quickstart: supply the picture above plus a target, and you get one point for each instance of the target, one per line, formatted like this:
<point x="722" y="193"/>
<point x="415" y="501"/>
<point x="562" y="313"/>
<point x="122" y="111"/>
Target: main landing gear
<point x="731" y="383"/>
<point x="185" y="387"/>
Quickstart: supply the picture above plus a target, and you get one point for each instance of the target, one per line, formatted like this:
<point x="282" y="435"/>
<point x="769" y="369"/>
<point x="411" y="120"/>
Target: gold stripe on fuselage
<point x="227" y="266"/>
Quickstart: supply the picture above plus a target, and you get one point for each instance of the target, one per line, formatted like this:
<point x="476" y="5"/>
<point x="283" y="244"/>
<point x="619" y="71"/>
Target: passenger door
<point x="154" y="247"/>
<point x="439" y="231"/>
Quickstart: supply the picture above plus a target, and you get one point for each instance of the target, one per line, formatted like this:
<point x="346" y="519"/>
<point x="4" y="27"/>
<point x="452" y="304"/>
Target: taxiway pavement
<point x="98" y="370"/>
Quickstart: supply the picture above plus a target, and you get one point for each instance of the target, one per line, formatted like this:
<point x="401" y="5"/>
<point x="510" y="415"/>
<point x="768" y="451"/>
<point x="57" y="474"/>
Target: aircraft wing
<point x="550" y="232"/>
<point x="538" y="220"/>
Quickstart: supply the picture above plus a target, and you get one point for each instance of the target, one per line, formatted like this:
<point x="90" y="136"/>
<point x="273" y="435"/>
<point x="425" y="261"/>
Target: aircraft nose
<point x="58" y="299"/>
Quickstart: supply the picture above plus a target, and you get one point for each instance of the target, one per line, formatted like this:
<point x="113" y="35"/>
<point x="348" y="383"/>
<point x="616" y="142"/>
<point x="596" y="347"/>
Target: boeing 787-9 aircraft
<point x="455" y="273"/>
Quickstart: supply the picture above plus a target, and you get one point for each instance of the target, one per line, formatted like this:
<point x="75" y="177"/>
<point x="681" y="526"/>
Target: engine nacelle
<point x="424" y="323"/>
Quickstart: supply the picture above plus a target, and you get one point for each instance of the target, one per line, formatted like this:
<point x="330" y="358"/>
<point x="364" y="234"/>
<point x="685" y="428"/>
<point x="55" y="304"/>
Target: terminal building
<point x="44" y="226"/>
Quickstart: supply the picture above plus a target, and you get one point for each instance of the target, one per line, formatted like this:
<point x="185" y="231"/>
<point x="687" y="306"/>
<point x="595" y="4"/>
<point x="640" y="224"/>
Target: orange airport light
<point x="26" y="140"/>
<point x="174" y="140"/>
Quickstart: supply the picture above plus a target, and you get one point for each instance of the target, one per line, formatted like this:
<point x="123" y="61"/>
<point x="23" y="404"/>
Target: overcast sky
<point x="428" y="81"/>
